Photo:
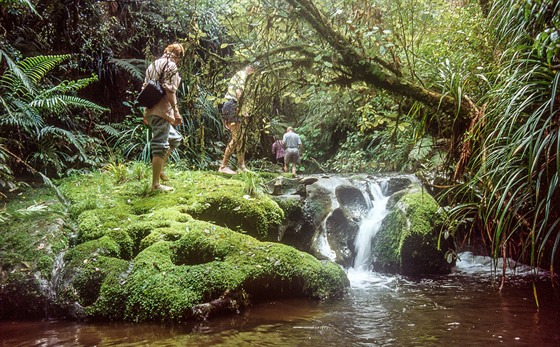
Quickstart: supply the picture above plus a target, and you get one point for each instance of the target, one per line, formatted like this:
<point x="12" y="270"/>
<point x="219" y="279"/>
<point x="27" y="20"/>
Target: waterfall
<point x="370" y="225"/>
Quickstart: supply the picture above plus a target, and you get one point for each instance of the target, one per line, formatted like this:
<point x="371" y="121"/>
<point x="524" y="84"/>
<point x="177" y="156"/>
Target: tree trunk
<point x="373" y="73"/>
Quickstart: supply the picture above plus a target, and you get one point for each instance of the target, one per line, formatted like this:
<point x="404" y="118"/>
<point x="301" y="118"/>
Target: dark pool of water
<point x="462" y="309"/>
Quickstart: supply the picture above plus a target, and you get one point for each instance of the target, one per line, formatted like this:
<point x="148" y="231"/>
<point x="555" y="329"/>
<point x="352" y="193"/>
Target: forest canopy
<point x="462" y="93"/>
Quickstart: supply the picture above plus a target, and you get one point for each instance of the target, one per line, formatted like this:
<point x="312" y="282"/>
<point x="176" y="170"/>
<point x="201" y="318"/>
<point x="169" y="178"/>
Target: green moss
<point x="387" y="244"/>
<point x="144" y="256"/>
<point x="88" y="204"/>
<point x="254" y="217"/>
<point x="407" y="242"/>
<point x="89" y="226"/>
<point x="124" y="241"/>
<point x="30" y="239"/>
<point x="88" y="279"/>
<point x="422" y="210"/>
<point x="87" y="251"/>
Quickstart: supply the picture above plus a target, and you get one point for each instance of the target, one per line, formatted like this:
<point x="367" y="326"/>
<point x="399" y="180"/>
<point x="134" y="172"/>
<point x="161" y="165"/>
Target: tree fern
<point x="59" y="102"/>
<point x="13" y="73"/>
<point x="36" y="68"/>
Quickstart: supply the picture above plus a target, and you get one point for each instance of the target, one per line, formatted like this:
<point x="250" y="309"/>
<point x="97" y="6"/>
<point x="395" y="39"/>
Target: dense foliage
<point x="511" y="184"/>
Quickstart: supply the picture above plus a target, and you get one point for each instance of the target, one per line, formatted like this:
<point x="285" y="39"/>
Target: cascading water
<point x="369" y="226"/>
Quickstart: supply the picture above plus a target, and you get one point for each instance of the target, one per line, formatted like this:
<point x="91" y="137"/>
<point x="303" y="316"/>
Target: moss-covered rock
<point x="408" y="241"/>
<point x="138" y="255"/>
<point x="30" y="240"/>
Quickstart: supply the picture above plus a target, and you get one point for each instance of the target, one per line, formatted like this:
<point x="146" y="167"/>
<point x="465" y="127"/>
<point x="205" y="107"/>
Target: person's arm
<point x="172" y="99"/>
<point x="170" y="86"/>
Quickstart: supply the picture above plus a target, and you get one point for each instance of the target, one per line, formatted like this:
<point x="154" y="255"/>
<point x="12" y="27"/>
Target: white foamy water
<point x="363" y="279"/>
<point x="469" y="263"/>
<point x="369" y="227"/>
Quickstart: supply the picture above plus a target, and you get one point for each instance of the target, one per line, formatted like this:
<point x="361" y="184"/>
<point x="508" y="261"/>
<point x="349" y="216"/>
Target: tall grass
<point x="511" y="191"/>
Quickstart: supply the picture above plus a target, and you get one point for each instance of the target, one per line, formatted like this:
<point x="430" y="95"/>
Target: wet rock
<point x="318" y="203"/>
<point x="407" y="241"/>
<point x="308" y="180"/>
<point x="352" y="199"/>
<point x="285" y="186"/>
<point x="396" y="196"/>
<point x="341" y="232"/>
<point x="296" y="230"/>
<point x="397" y="183"/>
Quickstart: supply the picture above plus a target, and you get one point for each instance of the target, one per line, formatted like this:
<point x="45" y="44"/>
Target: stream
<point x="464" y="308"/>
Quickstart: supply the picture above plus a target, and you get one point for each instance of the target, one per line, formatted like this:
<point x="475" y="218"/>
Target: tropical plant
<point x="511" y="187"/>
<point x="36" y="120"/>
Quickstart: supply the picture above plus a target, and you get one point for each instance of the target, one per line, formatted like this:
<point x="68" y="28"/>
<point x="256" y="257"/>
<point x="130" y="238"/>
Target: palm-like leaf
<point x="514" y="176"/>
<point x="30" y="106"/>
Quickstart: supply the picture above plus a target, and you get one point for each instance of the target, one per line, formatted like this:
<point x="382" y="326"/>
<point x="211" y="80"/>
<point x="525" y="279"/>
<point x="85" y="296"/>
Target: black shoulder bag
<point x="153" y="92"/>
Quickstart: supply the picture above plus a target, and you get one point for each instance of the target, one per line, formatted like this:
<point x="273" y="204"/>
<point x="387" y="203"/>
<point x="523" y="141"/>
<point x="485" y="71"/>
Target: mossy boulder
<point x="169" y="278"/>
<point x="32" y="234"/>
<point x="409" y="240"/>
<point x="136" y="255"/>
<point x="296" y="230"/>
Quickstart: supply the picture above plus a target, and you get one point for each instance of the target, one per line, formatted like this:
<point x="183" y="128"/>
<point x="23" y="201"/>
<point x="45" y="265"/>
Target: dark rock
<point x="341" y="232"/>
<point x="308" y="180"/>
<point x="352" y="199"/>
<point x="397" y="183"/>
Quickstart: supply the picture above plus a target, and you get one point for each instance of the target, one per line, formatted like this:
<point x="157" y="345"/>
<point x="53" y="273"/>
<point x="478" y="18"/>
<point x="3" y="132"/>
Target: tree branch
<point x="371" y="71"/>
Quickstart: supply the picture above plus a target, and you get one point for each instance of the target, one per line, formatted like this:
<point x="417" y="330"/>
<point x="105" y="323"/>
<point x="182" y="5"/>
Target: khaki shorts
<point x="164" y="136"/>
<point x="291" y="156"/>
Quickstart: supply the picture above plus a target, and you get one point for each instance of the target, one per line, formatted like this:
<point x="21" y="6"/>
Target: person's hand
<point x="178" y="119"/>
<point x="145" y="120"/>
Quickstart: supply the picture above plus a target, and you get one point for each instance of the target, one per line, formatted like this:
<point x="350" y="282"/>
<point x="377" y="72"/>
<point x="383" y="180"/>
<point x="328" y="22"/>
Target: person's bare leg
<point x="240" y="148"/>
<point x="157" y="166"/>
<point x="227" y="154"/>
<point x="162" y="175"/>
<point x="294" y="169"/>
<point x="241" y="160"/>
<point x="230" y="148"/>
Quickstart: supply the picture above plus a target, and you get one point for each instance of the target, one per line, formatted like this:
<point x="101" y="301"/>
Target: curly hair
<point x="174" y="50"/>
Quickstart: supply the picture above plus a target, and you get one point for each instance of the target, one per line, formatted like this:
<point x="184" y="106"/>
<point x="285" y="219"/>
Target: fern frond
<point x="61" y="101"/>
<point x="13" y="74"/>
<point x="108" y="129"/>
<point x="21" y="116"/>
<point x="37" y="67"/>
<point x="70" y="137"/>
<point x="71" y="86"/>
<point x="135" y="67"/>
